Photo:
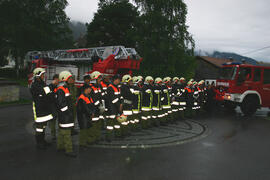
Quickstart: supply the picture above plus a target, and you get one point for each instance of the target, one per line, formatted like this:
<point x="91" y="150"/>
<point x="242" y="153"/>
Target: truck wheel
<point x="249" y="105"/>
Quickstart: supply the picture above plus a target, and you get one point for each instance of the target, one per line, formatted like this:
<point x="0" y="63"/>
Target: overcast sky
<point x="236" y="26"/>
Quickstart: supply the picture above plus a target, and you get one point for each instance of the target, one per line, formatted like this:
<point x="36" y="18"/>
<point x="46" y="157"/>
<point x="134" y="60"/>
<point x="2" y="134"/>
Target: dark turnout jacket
<point x="147" y="97"/>
<point x="65" y="107"/>
<point x="126" y="93"/>
<point x="85" y="110"/>
<point x="113" y="99"/>
<point x="41" y="95"/>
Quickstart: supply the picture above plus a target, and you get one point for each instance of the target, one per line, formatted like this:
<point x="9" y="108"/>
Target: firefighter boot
<point x="40" y="141"/>
<point x="144" y="120"/>
<point x="118" y="130"/>
<point x="109" y="130"/>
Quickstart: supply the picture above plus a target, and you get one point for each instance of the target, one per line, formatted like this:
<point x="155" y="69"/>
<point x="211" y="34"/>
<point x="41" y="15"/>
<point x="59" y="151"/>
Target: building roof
<point x="215" y="61"/>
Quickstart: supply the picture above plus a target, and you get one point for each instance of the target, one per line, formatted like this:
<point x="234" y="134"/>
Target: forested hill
<point x="227" y="55"/>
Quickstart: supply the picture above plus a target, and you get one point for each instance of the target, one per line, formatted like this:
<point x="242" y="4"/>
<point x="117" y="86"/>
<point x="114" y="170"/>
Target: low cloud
<point x="225" y="25"/>
<point x="228" y="25"/>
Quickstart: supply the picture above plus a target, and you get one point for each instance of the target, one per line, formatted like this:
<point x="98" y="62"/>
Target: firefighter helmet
<point x="175" y="79"/>
<point x="95" y="75"/>
<point x="136" y="79"/>
<point x="166" y="79"/>
<point x="38" y="72"/>
<point x="189" y="83"/>
<point x="201" y="82"/>
<point x="182" y="79"/>
<point x="126" y="78"/>
<point x="149" y="79"/>
<point x="64" y="75"/>
<point x="121" y="118"/>
<point x="140" y="78"/>
<point x="158" y="80"/>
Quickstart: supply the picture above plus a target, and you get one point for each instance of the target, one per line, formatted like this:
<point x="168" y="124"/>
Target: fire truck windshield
<point x="228" y="73"/>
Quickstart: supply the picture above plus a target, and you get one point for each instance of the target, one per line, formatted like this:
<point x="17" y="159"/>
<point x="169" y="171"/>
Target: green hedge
<point x="10" y="73"/>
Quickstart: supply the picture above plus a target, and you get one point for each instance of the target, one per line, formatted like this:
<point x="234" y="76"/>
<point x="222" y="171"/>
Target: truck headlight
<point x="227" y="97"/>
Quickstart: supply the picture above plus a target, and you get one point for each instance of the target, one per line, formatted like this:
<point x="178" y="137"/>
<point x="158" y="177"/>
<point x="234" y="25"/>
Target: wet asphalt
<point x="236" y="148"/>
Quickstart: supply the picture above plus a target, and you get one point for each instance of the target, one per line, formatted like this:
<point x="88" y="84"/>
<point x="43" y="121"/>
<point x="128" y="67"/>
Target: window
<point x="228" y="73"/>
<point x="257" y="75"/>
<point x="244" y="74"/>
<point x="266" y="76"/>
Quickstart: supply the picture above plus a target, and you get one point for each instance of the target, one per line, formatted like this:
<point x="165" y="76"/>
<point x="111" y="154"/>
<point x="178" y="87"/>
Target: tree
<point x="33" y="25"/>
<point x="115" y="23"/>
<point x="165" y="43"/>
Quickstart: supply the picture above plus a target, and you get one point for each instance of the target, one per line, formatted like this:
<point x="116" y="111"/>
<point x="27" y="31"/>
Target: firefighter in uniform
<point x="196" y="95"/>
<point x="182" y="87"/>
<point x="175" y="99"/>
<point x="41" y="106"/>
<point x="53" y="88"/>
<point x="189" y="99"/>
<point x="74" y="94"/>
<point x="113" y="100"/>
<point x="180" y="97"/>
<point x="97" y="96"/>
<point x="166" y="104"/>
<point x="86" y="79"/>
<point x="126" y="92"/>
<point x="104" y="85"/>
<point x="200" y="88"/>
<point x="147" y="100"/>
<point x="157" y="102"/>
<point x="136" y="102"/>
<point x="65" y="115"/>
<point x="85" y="113"/>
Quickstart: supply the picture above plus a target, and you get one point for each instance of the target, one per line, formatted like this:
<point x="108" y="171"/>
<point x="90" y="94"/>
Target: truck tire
<point x="249" y="105"/>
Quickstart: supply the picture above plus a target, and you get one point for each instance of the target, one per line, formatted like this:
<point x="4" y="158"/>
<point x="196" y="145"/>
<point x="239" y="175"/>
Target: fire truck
<point x="247" y="86"/>
<point x="108" y="61"/>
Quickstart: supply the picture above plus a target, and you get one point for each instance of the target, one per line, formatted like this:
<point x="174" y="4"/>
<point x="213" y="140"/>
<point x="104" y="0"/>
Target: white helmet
<point x="189" y="83"/>
<point x="182" y="79"/>
<point x="121" y="118"/>
<point x="38" y="72"/>
<point x="166" y="79"/>
<point x="201" y="82"/>
<point x="64" y="75"/>
<point x="149" y="79"/>
<point x="140" y="78"/>
<point x="175" y="79"/>
<point x="158" y="80"/>
<point x="136" y="79"/>
<point x="126" y="78"/>
<point x="95" y="75"/>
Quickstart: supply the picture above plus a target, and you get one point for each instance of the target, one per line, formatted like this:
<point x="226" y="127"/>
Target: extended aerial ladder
<point x="108" y="60"/>
<point x="85" y="54"/>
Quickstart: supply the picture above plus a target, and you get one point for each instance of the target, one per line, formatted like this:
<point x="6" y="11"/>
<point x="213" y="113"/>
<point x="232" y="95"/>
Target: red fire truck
<point x="245" y="85"/>
<point x="108" y="60"/>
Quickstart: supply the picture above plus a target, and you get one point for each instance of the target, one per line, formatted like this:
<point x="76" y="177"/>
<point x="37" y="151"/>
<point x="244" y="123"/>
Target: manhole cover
<point x="173" y="134"/>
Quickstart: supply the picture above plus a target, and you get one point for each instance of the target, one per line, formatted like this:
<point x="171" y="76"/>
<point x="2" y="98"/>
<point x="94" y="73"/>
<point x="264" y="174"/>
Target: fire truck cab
<point x="108" y="61"/>
<point x="247" y="86"/>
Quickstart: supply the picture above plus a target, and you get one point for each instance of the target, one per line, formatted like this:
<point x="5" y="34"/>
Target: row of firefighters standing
<point x="119" y="108"/>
